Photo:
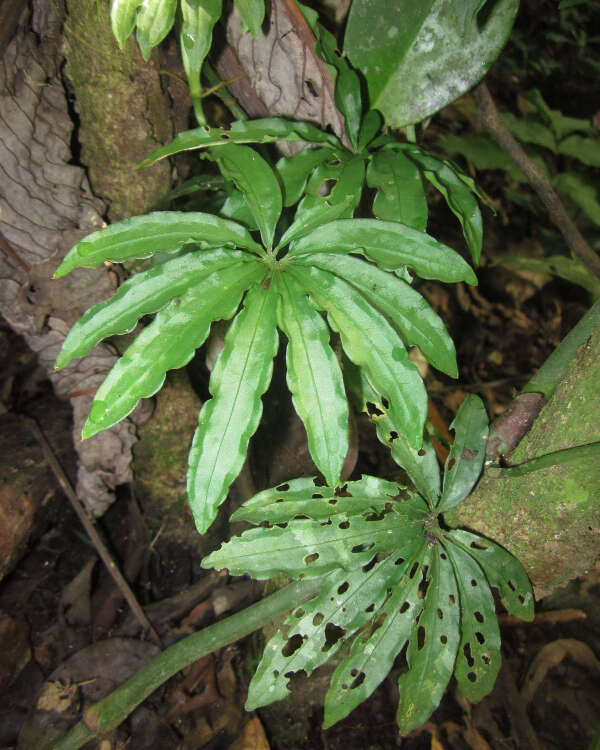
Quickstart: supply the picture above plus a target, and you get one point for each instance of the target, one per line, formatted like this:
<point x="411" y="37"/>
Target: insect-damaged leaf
<point x="400" y="195"/>
<point x="169" y="342"/>
<point x="295" y="170"/>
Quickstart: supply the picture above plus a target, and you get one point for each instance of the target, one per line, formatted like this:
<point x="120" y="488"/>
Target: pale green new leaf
<point x="122" y="18"/>
<point x="389" y="244"/>
<point x="478" y="659"/>
<point x="257" y="181"/>
<point x="295" y="170"/>
<point x="169" y="342"/>
<point x="160" y="231"/>
<point x="465" y="460"/>
<point x="400" y="195"/>
<point x="373" y="652"/>
<point x="195" y="38"/>
<point x="404" y="307"/>
<point x="252" y="13"/>
<point x="154" y="20"/>
<point x="502" y="570"/>
<point x="314" y="379"/>
<point x="228" y="420"/>
<point x="432" y="648"/>
<point x="143" y="294"/>
<point x="371" y="343"/>
<point x="265" y="130"/>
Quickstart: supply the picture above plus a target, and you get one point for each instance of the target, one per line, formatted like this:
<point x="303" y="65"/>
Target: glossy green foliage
<point x="154" y="20"/>
<point x="418" y="57"/>
<point x="198" y="18"/>
<point x="252" y="13"/>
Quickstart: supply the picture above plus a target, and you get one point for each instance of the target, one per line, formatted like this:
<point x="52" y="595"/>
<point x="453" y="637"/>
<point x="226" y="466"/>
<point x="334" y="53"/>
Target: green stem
<point x="108" y="713"/>
<point x="589" y="450"/>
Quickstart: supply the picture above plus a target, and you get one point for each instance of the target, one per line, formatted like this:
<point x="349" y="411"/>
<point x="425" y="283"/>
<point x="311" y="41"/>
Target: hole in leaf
<point x="393" y="436"/>
<point x="333" y="501"/>
<point x="373" y="410"/>
<point x="468" y="655"/>
<point x="276" y="673"/>
<point x="316" y="496"/>
<point x="319" y="482"/>
<point x="478" y="616"/>
<point x="299" y="613"/>
<point x="325" y="523"/>
<point x="404" y="607"/>
<point x="370" y="608"/>
<point x="480" y="638"/>
<point x="472" y="677"/>
<point x="451" y="463"/>
<point x="521" y="598"/>
<point x="440" y="614"/>
<point x="384" y="401"/>
<point x="444" y="639"/>
<point x="344" y="525"/>
<point x="279" y="500"/>
<point x="224" y="136"/>
<point x="357" y="681"/>
<point x="353" y="672"/>
<point x="309" y="559"/>
<point x="343" y="588"/>
<point x="424" y="585"/>
<point x="399" y="561"/>
<point x="333" y="633"/>
<point x="326" y="187"/>
<point x="291" y="673"/>
<point x="413" y="570"/>
<point x="366" y="568"/>
<point x="422" y="452"/>
<point x="473" y="582"/>
<point x="451" y="600"/>
<point x="443" y="555"/>
<point x="282" y="487"/>
<point x="485" y="659"/>
<point x="361" y="548"/>
<point x="343" y="491"/>
<point x="511" y="585"/>
<point x="420" y="637"/>
<point x="318" y="619"/>
<point x="292" y="645"/>
<point x="478" y="545"/>
<point x="311" y="87"/>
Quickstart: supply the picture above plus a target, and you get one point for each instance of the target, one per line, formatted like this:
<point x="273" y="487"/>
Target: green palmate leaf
<point x="530" y="131"/>
<point x="405" y="308"/>
<point x="122" y="18"/>
<point x="400" y="195"/>
<point x="315" y="210"/>
<point x="315" y="380"/>
<point x="257" y="181"/>
<point x="502" y="570"/>
<point x="169" y="342"/>
<point x="418" y="57"/>
<point x="390" y="245"/>
<point x="154" y="20"/>
<point x="195" y="38"/>
<point x="294" y="171"/>
<point x="161" y="231"/>
<point x="229" y="419"/>
<point x="143" y="294"/>
<point x="252" y="13"/>
<point x="478" y="659"/>
<point x="236" y="207"/>
<point x="266" y="130"/>
<point x="373" y="652"/>
<point x="371" y="343"/>
<point x="432" y="648"/>
<point x="587" y="150"/>
<point x="422" y="465"/>
<point x="465" y="460"/>
<point x="371" y="125"/>
<point x="581" y="191"/>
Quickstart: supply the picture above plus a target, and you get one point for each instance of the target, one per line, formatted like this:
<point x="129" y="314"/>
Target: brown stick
<point x="88" y="525"/>
<point x="492" y="122"/>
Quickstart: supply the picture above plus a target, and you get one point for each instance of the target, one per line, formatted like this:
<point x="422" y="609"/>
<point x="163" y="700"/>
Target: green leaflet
<point x="587" y="150"/>
<point x="294" y="171"/>
<point x="229" y="419"/>
<point x="373" y="652"/>
<point x="390" y="245"/>
<point x="143" y="294"/>
<point x="160" y="231"/>
<point x="314" y="379"/>
<point x="252" y="13"/>
<point x="371" y="125"/>
<point x="370" y="342"/>
<point x="257" y="181"/>
<point x="315" y="210"/>
<point x="195" y="39"/>
<point x="432" y="648"/>
<point x="478" y="659"/>
<point x="400" y="195"/>
<point x="465" y="460"/>
<point x="236" y="208"/>
<point x="404" y="307"/>
<point x="122" y="18"/>
<point x="154" y="21"/>
<point x="266" y="130"/>
<point x="502" y="570"/>
<point x="169" y="342"/>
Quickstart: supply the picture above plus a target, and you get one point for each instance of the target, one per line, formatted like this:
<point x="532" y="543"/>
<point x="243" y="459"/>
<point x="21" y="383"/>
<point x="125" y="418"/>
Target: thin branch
<point x="492" y="122"/>
<point x="88" y="525"/>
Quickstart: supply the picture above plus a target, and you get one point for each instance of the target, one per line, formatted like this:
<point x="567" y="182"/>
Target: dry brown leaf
<point x="252" y="738"/>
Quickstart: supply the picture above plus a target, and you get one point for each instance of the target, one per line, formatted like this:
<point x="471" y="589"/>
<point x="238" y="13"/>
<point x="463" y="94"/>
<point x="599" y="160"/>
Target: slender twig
<point x="492" y="122"/>
<point x="88" y="525"/>
<point x="576" y="453"/>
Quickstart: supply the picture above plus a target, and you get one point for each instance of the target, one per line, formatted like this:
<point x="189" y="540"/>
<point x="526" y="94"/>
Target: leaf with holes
<point x="432" y="648"/>
<point x="465" y="460"/>
<point x="228" y="420"/>
<point x="400" y="195"/>
<point x="389" y="244"/>
<point x="502" y="570"/>
<point x="478" y="660"/>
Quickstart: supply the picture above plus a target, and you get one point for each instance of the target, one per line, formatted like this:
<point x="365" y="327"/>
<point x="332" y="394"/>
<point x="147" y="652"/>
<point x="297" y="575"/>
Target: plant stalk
<point x="109" y="712"/>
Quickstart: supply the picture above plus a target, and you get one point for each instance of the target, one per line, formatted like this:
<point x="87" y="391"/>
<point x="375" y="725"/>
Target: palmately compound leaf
<point x="265" y="130"/>
<point x="502" y="570"/>
<point x="252" y="13"/>
<point x="314" y="379"/>
<point x="400" y="195"/>
<point x="227" y="421"/>
<point x="169" y="342"/>
<point x="432" y="648"/>
<point x="295" y="170"/>
<point x="371" y="343"/>
<point x="478" y="660"/>
<point x="389" y="244"/>
<point x="122" y="18"/>
<point x="373" y="652"/>
<point x="160" y="231"/>
<point x="407" y="310"/>
<point x="465" y="460"/>
<point x="155" y="19"/>
<point x="257" y="181"/>
<point x="143" y="294"/>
